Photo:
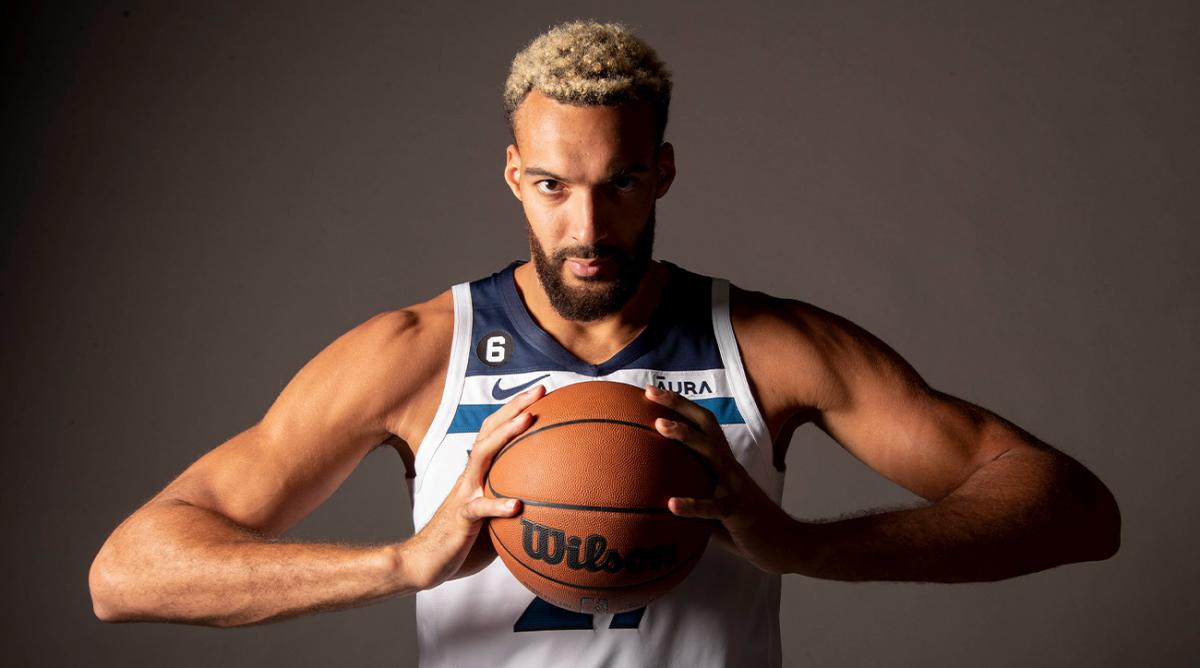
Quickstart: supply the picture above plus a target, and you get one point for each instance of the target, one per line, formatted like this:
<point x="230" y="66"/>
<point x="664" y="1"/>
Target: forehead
<point x="544" y="126"/>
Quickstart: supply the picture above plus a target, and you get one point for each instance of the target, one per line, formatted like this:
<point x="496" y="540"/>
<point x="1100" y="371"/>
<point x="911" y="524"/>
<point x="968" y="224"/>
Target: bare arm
<point x="175" y="562"/>
<point x="1025" y="511"/>
<point x="207" y="549"/>
<point x="1001" y="502"/>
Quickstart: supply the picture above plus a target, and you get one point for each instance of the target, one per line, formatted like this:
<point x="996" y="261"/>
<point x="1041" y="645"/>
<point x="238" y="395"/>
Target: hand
<point x="450" y="545"/>
<point x="752" y="525"/>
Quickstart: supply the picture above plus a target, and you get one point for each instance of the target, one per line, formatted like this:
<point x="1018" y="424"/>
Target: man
<point x="588" y="104"/>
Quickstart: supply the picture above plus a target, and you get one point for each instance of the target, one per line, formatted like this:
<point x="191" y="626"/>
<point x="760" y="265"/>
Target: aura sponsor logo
<point x="551" y="545"/>
<point x="684" y="387"/>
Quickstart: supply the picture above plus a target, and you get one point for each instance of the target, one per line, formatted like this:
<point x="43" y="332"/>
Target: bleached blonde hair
<point x="589" y="63"/>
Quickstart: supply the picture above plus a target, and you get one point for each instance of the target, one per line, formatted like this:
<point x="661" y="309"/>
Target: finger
<point x="691" y="437"/>
<point x="709" y="509"/>
<point x="512" y="408"/>
<point x="487" y="445"/>
<point x="689" y="409"/>
<point x="484" y="507"/>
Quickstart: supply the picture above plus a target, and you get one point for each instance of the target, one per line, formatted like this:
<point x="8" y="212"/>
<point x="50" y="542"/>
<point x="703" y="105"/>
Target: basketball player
<point x="446" y="383"/>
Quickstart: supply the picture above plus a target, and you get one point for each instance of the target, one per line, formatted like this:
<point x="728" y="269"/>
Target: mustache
<point x="589" y="253"/>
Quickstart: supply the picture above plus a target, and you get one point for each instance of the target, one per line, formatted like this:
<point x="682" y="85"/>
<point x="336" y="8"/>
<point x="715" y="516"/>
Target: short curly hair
<point x="589" y="63"/>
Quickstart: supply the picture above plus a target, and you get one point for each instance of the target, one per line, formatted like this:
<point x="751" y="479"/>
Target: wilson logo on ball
<point x="551" y="545"/>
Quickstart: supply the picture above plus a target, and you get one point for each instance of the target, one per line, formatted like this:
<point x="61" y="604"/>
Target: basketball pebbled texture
<point x="594" y="477"/>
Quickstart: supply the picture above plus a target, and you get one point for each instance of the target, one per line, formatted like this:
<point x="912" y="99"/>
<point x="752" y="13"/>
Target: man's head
<point x="587" y="105"/>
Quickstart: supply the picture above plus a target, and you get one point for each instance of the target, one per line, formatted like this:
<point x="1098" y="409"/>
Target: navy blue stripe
<point x="725" y="408"/>
<point x="468" y="418"/>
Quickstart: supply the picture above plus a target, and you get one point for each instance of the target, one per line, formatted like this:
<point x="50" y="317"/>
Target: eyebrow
<point x="624" y="171"/>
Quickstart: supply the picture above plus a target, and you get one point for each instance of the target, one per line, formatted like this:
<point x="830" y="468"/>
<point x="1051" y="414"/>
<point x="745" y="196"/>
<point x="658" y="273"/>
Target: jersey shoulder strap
<point x="452" y="388"/>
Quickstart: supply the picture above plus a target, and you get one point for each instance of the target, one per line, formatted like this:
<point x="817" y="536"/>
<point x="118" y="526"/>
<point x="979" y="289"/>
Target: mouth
<point x="587" y="268"/>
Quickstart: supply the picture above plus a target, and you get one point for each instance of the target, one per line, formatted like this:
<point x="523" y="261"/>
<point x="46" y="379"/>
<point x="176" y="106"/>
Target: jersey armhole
<point x="735" y="371"/>
<point x="456" y="372"/>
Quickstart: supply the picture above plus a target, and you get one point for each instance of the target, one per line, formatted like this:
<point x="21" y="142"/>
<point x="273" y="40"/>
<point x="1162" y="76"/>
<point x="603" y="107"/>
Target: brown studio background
<point x="199" y="197"/>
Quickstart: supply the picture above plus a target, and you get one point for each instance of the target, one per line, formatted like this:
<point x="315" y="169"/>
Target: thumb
<point x="484" y="507"/>
<point x="708" y="509"/>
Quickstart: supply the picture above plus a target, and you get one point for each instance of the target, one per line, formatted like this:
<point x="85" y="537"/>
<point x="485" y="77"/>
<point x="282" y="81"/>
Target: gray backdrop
<point x="198" y="198"/>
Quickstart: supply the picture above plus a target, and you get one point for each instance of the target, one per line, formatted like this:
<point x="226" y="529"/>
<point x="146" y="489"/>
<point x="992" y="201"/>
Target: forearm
<point x="176" y="562"/>
<point x="1026" y="511"/>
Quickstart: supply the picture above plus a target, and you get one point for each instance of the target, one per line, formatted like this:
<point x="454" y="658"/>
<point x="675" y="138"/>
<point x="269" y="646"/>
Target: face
<point x="588" y="179"/>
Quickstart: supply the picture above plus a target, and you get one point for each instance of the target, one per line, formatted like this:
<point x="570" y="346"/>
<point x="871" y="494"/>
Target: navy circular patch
<point x="495" y="348"/>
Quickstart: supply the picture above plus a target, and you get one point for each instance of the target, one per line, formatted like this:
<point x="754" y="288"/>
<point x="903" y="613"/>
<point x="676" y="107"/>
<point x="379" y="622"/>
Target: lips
<point x="585" y="268"/>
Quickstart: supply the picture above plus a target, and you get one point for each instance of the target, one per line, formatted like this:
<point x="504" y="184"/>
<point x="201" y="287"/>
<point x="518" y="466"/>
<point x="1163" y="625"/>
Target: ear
<point x="665" y="166"/>
<point x="512" y="170"/>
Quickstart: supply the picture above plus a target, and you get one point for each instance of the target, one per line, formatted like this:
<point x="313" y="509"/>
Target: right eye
<point x="549" y="186"/>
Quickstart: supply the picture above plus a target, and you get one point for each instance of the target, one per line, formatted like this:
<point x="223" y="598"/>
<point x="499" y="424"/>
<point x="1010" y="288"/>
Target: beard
<point x="597" y="298"/>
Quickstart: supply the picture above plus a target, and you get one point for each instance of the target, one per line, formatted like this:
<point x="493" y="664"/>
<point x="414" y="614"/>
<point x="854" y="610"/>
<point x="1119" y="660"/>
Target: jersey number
<point x="493" y="350"/>
<point x="543" y="616"/>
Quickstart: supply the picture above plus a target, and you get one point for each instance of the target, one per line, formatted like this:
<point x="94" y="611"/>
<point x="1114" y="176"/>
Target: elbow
<point x="1083" y="518"/>
<point x="123" y="591"/>
<point x="1092" y="525"/>
<point x="1106" y="525"/>
<point x="118" y="593"/>
<point x="104" y="586"/>
<point x="137" y="576"/>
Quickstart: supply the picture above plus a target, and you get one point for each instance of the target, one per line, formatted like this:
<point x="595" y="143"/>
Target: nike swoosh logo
<point x="506" y="392"/>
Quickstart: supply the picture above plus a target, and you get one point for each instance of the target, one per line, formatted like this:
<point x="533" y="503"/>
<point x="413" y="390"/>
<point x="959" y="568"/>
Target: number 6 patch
<point x="495" y="349"/>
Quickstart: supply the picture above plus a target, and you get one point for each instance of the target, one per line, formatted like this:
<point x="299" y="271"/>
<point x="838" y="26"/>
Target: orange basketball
<point x="594" y="475"/>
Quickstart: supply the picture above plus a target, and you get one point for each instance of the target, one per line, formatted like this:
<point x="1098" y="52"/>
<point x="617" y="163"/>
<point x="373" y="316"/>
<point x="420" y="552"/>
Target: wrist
<point x="402" y="576"/>
<point x="805" y="547"/>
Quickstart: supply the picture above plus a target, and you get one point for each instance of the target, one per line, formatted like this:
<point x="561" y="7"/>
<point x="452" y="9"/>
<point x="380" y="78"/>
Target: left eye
<point x="624" y="183"/>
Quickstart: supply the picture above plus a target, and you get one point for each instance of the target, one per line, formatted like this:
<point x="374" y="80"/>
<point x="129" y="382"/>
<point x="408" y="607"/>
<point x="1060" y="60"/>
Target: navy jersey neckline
<point x="646" y="340"/>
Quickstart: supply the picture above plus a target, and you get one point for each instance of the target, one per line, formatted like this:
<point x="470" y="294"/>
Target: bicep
<point x="328" y="417"/>
<point x="882" y="412"/>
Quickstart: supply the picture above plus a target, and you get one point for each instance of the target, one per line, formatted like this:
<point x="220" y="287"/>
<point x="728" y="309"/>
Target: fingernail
<point x="669" y="424"/>
<point x="654" y="391"/>
<point x="510" y="504"/>
<point x="520" y="416"/>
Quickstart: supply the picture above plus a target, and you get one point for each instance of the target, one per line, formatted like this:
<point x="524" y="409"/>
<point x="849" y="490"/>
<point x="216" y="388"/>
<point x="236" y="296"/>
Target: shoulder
<point x="800" y="356"/>
<point x="410" y="346"/>
<point x="374" y="372"/>
<point x="425" y="322"/>
<point x="416" y="341"/>
<point x="400" y="337"/>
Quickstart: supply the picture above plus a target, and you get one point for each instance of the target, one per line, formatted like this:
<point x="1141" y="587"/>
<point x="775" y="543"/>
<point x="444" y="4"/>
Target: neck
<point x="597" y="340"/>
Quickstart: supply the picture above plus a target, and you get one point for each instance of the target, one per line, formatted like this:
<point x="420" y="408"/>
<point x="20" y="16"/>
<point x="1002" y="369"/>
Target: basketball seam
<point x="572" y="506"/>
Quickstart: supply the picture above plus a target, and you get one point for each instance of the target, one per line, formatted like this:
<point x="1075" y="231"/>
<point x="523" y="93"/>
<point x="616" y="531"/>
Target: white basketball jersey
<point x="725" y="613"/>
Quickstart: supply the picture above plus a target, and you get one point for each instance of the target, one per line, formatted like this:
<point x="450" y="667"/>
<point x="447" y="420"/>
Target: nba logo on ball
<point x="594" y="533"/>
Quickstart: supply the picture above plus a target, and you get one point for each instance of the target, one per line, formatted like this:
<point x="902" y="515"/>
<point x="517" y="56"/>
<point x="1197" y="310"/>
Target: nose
<point x="587" y="218"/>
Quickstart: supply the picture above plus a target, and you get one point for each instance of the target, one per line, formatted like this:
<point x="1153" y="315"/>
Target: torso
<point x="726" y="612"/>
